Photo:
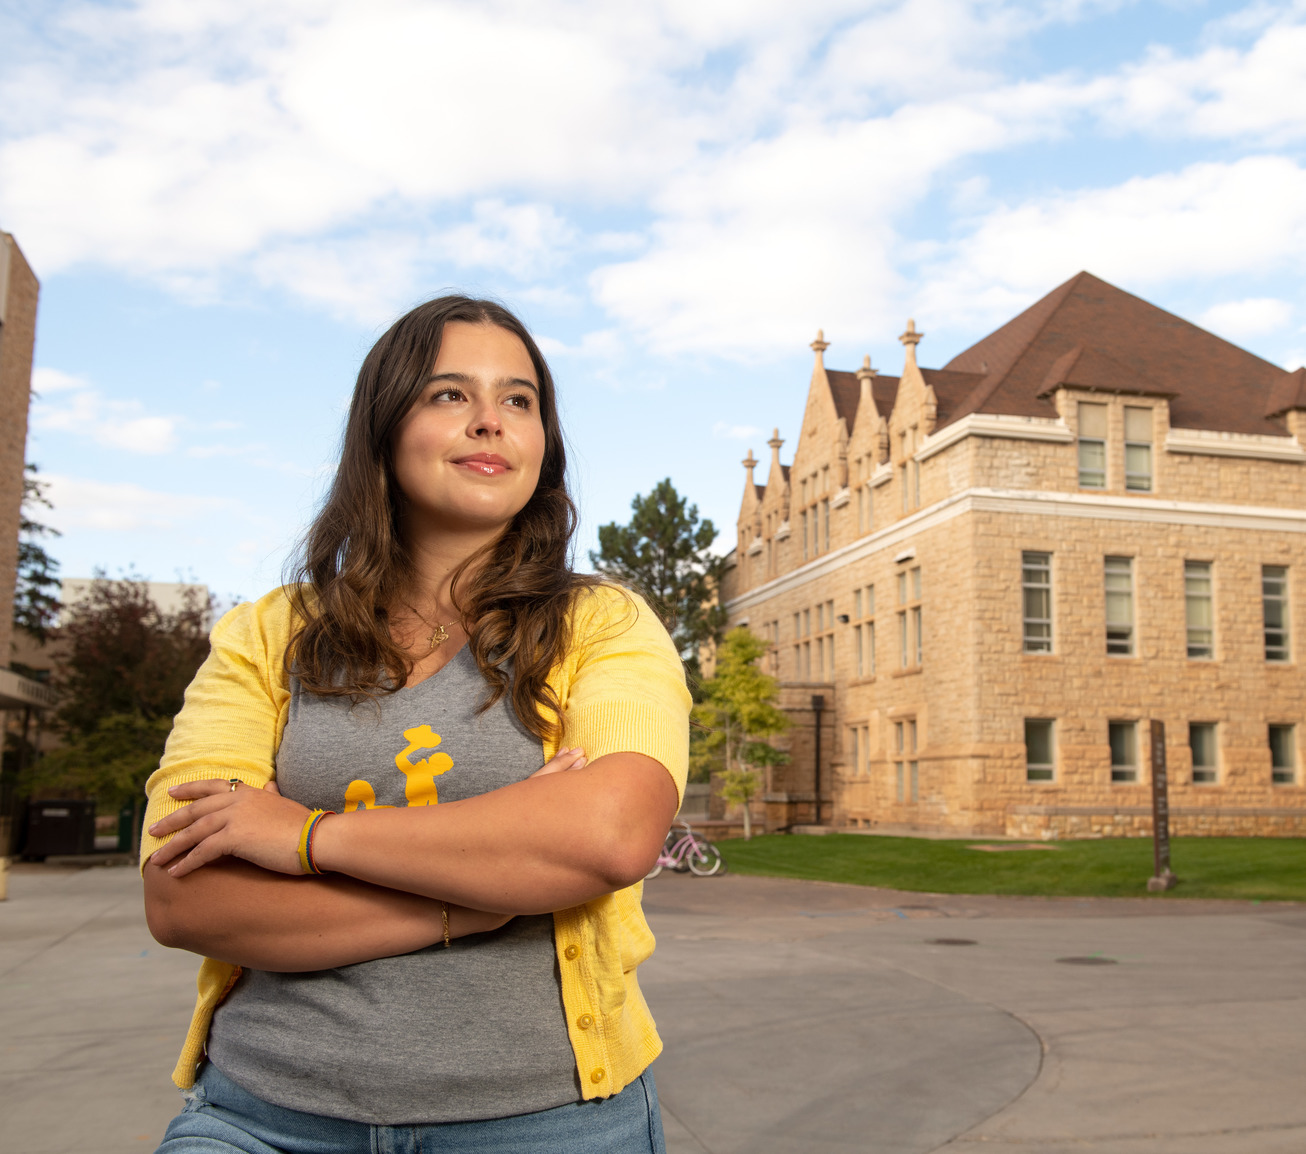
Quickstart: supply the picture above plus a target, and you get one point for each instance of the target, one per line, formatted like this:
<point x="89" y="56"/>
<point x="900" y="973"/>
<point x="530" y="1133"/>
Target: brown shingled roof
<point x="1094" y="335"/>
<point x="1288" y="393"/>
<point x="846" y="390"/>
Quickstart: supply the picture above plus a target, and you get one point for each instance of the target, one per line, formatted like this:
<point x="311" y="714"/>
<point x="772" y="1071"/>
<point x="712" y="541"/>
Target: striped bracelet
<point x="306" y="862"/>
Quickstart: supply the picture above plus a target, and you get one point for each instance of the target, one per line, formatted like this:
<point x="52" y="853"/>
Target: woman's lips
<point x="486" y="464"/>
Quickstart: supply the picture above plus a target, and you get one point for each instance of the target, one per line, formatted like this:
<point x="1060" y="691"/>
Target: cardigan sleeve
<point x="626" y="691"/>
<point x="233" y="712"/>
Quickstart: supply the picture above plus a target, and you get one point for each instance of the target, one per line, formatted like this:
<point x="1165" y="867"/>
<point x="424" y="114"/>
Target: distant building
<point x="169" y="597"/>
<point x="992" y="576"/>
<point x="22" y="699"/>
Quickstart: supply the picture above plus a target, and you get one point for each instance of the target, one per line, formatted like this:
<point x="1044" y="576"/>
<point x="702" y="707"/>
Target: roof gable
<point x="1100" y="337"/>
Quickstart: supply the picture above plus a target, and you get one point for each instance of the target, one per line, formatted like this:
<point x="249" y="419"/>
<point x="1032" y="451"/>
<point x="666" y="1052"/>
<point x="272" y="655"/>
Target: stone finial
<point x="775" y="442"/>
<point x="819" y="346"/>
<point x="910" y="339"/>
<point x="750" y="464"/>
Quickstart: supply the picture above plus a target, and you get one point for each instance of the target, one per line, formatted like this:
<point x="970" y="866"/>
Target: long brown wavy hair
<point x="353" y="565"/>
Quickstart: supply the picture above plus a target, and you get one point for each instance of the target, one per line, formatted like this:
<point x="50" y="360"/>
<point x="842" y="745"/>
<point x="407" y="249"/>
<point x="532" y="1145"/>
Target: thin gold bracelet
<point x="444" y="922"/>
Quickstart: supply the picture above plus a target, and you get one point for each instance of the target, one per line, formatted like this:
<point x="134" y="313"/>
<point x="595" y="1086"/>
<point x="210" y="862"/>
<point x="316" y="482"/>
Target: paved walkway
<point x="797" y="1017"/>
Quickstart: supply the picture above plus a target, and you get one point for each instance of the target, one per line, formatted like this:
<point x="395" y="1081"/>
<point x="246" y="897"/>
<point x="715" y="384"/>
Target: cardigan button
<point x="596" y="1075"/>
<point x="585" y="1021"/>
<point x="571" y="953"/>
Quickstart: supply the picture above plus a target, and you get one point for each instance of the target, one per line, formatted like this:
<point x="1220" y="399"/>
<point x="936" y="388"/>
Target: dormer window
<point x="1138" y="449"/>
<point x="1092" y="445"/>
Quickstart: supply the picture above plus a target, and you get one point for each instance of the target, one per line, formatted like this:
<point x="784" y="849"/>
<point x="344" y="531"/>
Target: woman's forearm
<point x="540" y="845"/>
<point x="237" y="912"/>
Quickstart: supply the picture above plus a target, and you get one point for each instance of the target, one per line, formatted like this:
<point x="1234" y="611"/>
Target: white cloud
<point x="80" y="503"/>
<point x="724" y="431"/>
<point x="1253" y="317"/>
<point x="1205" y="221"/>
<point x="83" y="411"/>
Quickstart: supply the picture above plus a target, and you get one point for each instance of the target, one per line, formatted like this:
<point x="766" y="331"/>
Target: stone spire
<point x="910" y="339"/>
<point x="866" y="402"/>
<point x="819" y="346"/>
<point x="750" y="464"/>
<point x="775" y="442"/>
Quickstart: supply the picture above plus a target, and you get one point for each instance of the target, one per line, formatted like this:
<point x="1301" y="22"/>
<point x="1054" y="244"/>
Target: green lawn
<point x="1268" y="869"/>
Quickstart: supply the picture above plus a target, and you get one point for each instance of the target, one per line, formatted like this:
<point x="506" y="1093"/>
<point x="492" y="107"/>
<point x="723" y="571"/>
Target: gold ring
<point x="235" y="781"/>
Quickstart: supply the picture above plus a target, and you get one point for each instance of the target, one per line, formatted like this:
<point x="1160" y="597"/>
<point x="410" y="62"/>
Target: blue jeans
<point x="221" y="1117"/>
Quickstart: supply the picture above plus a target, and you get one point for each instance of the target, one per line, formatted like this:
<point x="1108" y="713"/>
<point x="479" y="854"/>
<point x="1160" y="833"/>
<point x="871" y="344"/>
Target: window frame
<point x="1032" y="642"/>
<point x="1280" y="651"/>
<point x="1135" y="481"/>
<point x="1202" y="570"/>
<point x="1283" y="772"/>
<point x="1124" y="773"/>
<point x="1205" y="773"/>
<point x="1041" y="772"/>
<point x="1084" y="442"/>
<point x="1125" y="641"/>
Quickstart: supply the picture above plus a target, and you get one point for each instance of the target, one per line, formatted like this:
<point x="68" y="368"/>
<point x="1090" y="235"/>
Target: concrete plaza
<point x="797" y="1017"/>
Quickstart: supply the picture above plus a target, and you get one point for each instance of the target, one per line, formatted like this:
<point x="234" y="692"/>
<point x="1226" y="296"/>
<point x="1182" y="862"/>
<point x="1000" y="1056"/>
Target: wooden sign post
<point x="1162" y="879"/>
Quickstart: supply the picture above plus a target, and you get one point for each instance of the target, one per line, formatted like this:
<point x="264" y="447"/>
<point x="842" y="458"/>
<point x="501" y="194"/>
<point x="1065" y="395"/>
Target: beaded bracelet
<point x="306" y="862"/>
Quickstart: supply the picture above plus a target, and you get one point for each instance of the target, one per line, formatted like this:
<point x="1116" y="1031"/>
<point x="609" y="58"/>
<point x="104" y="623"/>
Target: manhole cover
<point x="1089" y="960"/>
<point x="952" y="942"/>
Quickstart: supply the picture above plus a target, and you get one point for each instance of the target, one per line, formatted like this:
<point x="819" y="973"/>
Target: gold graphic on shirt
<point x="419" y="784"/>
<point x="360" y="795"/>
<point x="419" y="788"/>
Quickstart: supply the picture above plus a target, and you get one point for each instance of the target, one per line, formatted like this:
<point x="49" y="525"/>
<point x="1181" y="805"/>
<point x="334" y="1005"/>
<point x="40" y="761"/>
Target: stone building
<point x="982" y="582"/>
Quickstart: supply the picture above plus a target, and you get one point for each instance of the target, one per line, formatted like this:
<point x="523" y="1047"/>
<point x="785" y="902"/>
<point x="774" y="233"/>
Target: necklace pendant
<point x="438" y="638"/>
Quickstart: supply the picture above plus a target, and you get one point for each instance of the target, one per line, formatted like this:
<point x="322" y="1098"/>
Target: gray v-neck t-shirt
<point x="440" y="1035"/>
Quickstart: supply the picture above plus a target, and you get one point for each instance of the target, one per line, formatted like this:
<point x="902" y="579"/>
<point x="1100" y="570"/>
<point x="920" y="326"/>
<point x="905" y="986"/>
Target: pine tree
<point x="739" y="710"/>
<point x="663" y="553"/>
<point x="36" y="600"/>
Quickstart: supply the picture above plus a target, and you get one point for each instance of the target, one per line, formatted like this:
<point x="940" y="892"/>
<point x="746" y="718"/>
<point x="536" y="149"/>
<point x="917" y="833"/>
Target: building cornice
<point x="996" y="425"/>
<point x="1211" y="443"/>
<point x="1028" y="502"/>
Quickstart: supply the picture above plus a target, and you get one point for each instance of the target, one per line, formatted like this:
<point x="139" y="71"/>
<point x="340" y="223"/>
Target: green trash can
<point x="129" y="817"/>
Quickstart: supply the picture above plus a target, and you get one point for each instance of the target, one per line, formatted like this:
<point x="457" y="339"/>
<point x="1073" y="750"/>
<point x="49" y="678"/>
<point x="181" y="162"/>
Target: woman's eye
<point x="447" y="395"/>
<point x="521" y="401"/>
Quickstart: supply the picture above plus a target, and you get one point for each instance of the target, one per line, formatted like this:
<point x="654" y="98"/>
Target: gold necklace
<point x="440" y="636"/>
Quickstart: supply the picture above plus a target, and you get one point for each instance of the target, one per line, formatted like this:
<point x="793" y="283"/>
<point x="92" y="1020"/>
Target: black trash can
<point x="59" y="827"/>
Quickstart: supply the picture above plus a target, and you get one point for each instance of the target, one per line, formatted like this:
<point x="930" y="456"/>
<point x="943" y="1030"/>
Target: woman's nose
<point x="486" y="422"/>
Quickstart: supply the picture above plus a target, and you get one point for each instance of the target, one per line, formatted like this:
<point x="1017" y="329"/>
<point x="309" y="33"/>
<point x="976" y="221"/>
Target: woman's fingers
<point x="562" y="761"/>
<point x="190" y="790"/>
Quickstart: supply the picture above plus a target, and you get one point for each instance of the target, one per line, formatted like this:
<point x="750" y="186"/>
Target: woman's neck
<point x="435" y="559"/>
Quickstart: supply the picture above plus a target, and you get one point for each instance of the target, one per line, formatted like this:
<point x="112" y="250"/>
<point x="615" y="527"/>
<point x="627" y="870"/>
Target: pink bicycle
<point x="686" y="850"/>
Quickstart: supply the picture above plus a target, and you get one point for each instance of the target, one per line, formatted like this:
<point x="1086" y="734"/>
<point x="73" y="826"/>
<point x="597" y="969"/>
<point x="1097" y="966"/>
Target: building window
<point x="1039" y="750"/>
<point x="1274" y="599"/>
<point x="1036" y="590"/>
<point x="1201" y="740"/>
<point x="1120" y="606"/>
<point x="864" y="630"/>
<point x="854" y="748"/>
<point x="825" y="525"/>
<point x="1283" y="754"/>
<point x="1199" y="612"/>
<point x="802" y="530"/>
<point x="1138" y="449"/>
<point x="866" y="749"/>
<point x="910" y="625"/>
<point x="1123" y="736"/>
<point x="906" y="769"/>
<point x="1092" y="445"/>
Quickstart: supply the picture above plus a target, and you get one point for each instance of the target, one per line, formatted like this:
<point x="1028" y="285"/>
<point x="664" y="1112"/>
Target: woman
<point x="443" y="957"/>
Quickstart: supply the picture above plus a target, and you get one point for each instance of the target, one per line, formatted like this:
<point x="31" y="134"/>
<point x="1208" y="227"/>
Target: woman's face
<point x="467" y="456"/>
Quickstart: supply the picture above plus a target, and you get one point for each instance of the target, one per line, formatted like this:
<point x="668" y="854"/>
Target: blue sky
<point x="228" y="201"/>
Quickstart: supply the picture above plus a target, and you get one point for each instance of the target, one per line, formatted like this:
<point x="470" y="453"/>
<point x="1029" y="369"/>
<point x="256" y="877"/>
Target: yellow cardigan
<point x="621" y="688"/>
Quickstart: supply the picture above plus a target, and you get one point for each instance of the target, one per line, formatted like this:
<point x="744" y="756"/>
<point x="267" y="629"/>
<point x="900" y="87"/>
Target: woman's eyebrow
<point x="501" y="383"/>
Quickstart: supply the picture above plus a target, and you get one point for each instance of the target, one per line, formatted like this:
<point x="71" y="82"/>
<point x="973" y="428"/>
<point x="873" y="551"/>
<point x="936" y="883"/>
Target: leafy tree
<point x="664" y="554"/>
<point x="739" y="711"/>
<point x="121" y="679"/>
<point x="123" y="655"/>
<point x="36" y="600"/>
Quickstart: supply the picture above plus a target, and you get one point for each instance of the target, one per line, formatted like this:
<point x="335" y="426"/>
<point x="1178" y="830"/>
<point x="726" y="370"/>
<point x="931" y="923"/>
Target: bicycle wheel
<point x="704" y="859"/>
<point x="657" y="869"/>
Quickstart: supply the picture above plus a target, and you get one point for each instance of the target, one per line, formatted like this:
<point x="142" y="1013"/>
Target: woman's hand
<point x="258" y="825"/>
<point x="562" y="761"/>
